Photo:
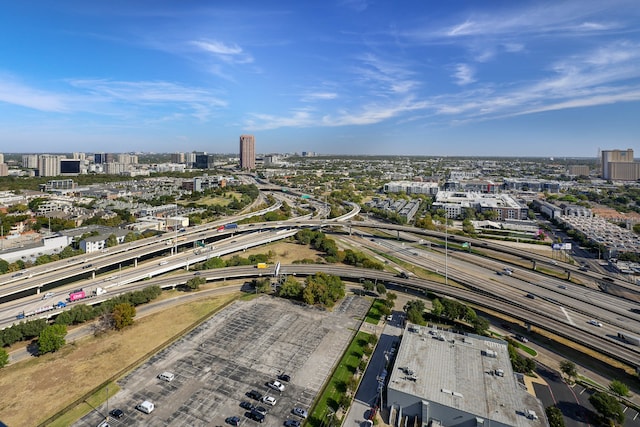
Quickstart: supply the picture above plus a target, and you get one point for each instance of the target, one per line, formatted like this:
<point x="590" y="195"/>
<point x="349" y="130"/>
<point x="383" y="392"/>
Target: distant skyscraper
<point x="49" y="164"/>
<point x="247" y="152"/>
<point x="177" y="157"/>
<point x="613" y="169"/>
<point x="30" y="161"/>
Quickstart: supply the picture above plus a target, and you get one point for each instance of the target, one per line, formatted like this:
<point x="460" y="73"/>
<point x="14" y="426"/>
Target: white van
<point x="146" y="407"/>
<point x="167" y="376"/>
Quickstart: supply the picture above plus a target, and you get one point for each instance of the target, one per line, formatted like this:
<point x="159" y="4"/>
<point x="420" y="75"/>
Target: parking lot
<point x="240" y="349"/>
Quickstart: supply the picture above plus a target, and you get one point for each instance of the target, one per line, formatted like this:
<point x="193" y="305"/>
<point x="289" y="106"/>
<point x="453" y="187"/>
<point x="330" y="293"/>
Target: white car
<point x="595" y="323"/>
<point x="269" y="400"/>
<point x="48" y="295"/>
<point x="276" y="385"/>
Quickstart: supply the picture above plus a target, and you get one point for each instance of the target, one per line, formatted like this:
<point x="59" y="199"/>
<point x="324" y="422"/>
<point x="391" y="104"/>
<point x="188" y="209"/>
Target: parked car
<point x="254" y="394"/>
<point x="166" y="376"/>
<point x="255" y="416"/>
<point x="284" y="377"/>
<point x="300" y="412"/>
<point x="234" y="421"/>
<point x="116" y="413"/>
<point x="269" y="400"/>
<point x="260" y="410"/>
<point x="276" y="385"/>
<point x="246" y="405"/>
<point x="292" y="423"/>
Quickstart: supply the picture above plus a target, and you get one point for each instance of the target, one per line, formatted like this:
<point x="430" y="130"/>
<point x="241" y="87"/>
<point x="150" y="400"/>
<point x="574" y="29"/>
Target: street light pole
<point x="446" y="250"/>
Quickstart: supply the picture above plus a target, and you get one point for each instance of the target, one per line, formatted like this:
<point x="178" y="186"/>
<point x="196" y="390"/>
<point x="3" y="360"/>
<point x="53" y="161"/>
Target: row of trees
<point x="319" y="241"/>
<point x="235" y="260"/>
<point x="449" y="310"/>
<point x="320" y="289"/>
<point x="113" y="313"/>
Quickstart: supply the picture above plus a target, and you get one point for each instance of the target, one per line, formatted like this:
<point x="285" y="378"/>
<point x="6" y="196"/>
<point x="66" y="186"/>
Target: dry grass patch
<point x="53" y="381"/>
<point x="285" y="252"/>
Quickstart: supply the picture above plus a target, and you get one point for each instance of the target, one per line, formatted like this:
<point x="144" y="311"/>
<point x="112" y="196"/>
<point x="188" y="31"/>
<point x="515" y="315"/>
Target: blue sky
<point x="499" y="78"/>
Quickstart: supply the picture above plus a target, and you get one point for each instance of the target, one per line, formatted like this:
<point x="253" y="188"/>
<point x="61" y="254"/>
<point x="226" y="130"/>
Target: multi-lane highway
<point x="554" y="305"/>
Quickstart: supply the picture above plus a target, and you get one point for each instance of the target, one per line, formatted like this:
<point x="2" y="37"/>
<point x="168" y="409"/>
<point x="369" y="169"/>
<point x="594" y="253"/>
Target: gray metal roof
<point x="461" y="372"/>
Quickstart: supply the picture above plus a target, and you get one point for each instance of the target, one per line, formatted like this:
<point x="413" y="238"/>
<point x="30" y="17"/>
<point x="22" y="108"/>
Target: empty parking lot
<point x="240" y="349"/>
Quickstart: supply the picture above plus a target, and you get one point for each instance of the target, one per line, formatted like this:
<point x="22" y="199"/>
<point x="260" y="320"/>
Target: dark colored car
<point x="255" y="416"/>
<point x="254" y="394"/>
<point x="234" y="421"/>
<point x="246" y="405"/>
<point x="292" y="423"/>
<point x="116" y="413"/>
<point x="284" y="377"/>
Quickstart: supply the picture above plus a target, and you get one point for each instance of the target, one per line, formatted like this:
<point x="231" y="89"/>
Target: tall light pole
<point x="446" y="249"/>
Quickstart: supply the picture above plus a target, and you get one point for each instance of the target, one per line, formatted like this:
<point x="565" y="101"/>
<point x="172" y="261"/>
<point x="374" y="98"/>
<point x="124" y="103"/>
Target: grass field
<point x="375" y="314"/>
<point x="337" y="385"/>
<point x="53" y="381"/>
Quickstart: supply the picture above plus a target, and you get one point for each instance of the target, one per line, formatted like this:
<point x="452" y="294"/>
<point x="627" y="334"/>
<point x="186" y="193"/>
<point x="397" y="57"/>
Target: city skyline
<point x="355" y="77"/>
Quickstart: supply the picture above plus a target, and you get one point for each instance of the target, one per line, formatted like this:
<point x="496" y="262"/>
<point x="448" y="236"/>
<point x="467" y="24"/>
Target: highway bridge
<point x="142" y="257"/>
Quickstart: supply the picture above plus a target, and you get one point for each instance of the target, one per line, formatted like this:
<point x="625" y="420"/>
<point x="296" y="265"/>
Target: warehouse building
<point x="441" y="378"/>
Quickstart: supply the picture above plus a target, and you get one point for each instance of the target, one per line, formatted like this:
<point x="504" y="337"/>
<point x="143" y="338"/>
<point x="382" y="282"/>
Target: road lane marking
<point x="569" y="319"/>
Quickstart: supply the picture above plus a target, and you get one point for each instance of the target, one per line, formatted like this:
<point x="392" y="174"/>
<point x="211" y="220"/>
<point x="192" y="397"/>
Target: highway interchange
<point x="558" y="306"/>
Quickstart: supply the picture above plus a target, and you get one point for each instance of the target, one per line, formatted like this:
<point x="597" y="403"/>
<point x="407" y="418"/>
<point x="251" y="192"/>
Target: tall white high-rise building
<point x="30" y="161"/>
<point x="49" y="164"/>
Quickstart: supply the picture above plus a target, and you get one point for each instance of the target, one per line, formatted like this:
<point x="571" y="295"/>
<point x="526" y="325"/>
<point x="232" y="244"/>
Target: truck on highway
<point x="76" y="295"/>
<point x="43" y="309"/>
<point x="221" y="228"/>
<point x="231" y="226"/>
<point x="630" y="339"/>
<point x="261" y="265"/>
<point x="99" y="291"/>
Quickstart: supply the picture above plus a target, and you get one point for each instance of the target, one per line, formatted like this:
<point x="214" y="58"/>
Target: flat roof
<point x="462" y="372"/>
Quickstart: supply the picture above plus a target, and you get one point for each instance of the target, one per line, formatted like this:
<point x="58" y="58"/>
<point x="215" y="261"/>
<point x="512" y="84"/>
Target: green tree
<point x="568" y="368"/>
<point x="51" y="339"/>
<point x="414" y="310"/>
<point x="262" y="285"/>
<point x="4" y="266"/>
<point x="368" y="285"/>
<point x="554" y="415"/>
<point x="291" y="288"/>
<point x="194" y="283"/>
<point x="480" y="326"/>
<point x="112" y="241"/>
<point x="608" y="407"/>
<point x="437" y="308"/>
<point x="4" y="358"/>
<point x="123" y="315"/>
<point x="619" y="388"/>
<point x="381" y="289"/>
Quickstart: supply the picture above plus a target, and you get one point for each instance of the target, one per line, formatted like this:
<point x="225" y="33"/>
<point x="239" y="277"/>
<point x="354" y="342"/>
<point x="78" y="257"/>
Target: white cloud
<point x="227" y="53"/>
<point x="320" y="96"/>
<point x="13" y="92"/>
<point x="464" y="74"/>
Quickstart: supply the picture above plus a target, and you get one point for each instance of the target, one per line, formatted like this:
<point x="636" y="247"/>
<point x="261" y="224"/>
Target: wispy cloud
<point x="227" y="53"/>
<point x="594" y="78"/>
<point x="17" y="93"/>
<point x="323" y="96"/>
<point x="464" y="74"/>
